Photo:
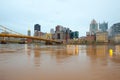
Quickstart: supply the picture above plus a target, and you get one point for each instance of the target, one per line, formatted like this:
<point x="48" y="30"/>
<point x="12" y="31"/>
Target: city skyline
<point x="19" y="15"/>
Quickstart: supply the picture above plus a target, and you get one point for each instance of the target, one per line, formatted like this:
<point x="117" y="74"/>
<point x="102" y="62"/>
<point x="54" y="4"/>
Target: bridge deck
<point x="29" y="37"/>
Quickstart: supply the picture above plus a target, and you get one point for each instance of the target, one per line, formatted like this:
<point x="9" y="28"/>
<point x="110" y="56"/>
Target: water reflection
<point x="117" y="50"/>
<point x="101" y="50"/>
<point x="97" y="50"/>
<point x="37" y="51"/>
<point x="37" y="55"/>
<point x="97" y="54"/>
<point x="28" y="49"/>
<point x="59" y="53"/>
<point x="72" y="49"/>
<point x="115" y="56"/>
<point x="91" y="50"/>
<point x="64" y="53"/>
<point x="114" y="51"/>
<point x="40" y="62"/>
<point x="33" y="53"/>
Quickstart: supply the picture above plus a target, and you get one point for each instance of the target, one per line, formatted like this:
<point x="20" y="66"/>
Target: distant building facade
<point x="102" y="37"/>
<point x="87" y="33"/>
<point x="114" y="33"/>
<point x="116" y="38"/>
<point x="74" y="35"/>
<point x="65" y="34"/>
<point x="29" y="32"/>
<point x="103" y="27"/>
<point x="114" y="30"/>
<point x="90" y="38"/>
<point x="62" y="33"/>
<point x="37" y="29"/>
<point x="93" y="27"/>
<point x="59" y="34"/>
<point x="52" y="31"/>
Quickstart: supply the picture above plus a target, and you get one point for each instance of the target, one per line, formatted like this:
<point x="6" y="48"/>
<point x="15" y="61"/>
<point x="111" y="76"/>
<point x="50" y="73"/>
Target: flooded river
<point x="70" y="62"/>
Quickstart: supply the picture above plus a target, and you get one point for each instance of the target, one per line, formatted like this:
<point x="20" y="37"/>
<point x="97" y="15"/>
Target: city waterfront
<point x="59" y="62"/>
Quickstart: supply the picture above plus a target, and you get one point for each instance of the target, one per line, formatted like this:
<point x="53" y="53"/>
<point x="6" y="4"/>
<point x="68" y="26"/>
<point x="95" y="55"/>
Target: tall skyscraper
<point x="103" y="26"/>
<point x="37" y="29"/>
<point x="93" y="27"/>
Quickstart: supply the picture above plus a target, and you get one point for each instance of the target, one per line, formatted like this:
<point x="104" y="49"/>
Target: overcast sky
<point x="21" y="15"/>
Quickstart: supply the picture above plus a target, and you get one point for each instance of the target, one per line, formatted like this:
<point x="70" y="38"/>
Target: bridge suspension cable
<point x="5" y="29"/>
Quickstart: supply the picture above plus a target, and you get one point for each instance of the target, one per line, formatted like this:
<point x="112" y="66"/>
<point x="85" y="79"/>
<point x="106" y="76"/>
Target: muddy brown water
<point x="69" y="62"/>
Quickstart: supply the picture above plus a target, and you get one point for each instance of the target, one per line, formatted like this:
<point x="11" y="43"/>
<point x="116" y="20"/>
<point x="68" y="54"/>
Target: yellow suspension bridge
<point x="18" y="35"/>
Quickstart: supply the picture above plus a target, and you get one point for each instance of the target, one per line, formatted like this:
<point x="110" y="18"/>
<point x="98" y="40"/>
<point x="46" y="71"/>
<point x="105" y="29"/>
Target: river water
<point x="68" y="62"/>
